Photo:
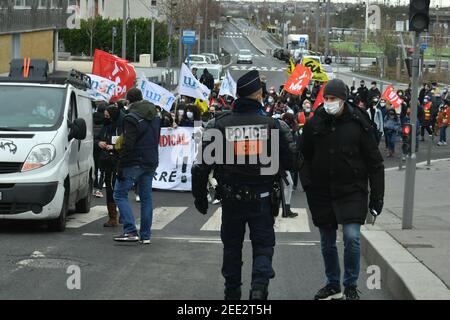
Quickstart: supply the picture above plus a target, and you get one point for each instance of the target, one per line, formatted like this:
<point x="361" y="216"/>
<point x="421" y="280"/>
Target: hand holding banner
<point x="299" y="80"/>
<point x="391" y="96"/>
<point x="115" y="69"/>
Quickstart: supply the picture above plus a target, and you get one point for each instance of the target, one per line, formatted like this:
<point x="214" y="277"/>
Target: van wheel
<point x="84" y="205"/>
<point x="59" y="224"/>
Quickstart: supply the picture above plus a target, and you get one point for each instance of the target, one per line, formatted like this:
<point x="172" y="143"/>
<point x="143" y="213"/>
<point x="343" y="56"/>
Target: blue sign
<point x="423" y="46"/>
<point x="302" y="40"/>
<point x="188" y="37"/>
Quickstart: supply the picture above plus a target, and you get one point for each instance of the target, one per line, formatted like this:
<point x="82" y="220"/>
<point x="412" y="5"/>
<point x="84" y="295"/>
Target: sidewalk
<point x="414" y="263"/>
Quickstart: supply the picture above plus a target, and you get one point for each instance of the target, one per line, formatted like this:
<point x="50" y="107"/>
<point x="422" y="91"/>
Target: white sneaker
<point x="445" y="143"/>
<point x="145" y="241"/>
<point x="440" y="143"/>
<point x="138" y="199"/>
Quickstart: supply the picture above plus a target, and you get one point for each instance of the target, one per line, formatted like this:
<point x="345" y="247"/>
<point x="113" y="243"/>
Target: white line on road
<point x="81" y="219"/>
<point x="217" y="240"/>
<point x="163" y="216"/>
<point x="297" y="224"/>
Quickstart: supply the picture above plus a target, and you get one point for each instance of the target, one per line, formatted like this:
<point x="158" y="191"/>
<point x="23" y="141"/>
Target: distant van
<point x="46" y="148"/>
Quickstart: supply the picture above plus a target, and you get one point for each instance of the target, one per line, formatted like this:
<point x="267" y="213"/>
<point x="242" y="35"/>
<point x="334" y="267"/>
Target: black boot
<point x="290" y="214"/>
<point x="233" y="294"/>
<point x="258" y="292"/>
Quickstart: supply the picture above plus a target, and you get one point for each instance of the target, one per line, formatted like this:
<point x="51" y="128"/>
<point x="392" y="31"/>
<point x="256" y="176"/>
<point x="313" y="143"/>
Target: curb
<point x="246" y="36"/>
<point x="405" y="277"/>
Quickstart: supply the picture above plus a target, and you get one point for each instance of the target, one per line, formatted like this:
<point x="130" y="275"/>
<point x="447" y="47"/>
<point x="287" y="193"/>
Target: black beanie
<point x="337" y="88"/>
<point x="249" y="83"/>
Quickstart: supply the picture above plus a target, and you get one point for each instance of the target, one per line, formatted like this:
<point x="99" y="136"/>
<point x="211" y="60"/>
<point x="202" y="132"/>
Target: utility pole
<point x="124" y="30"/>
<point x="169" y="32"/>
<point x="317" y="25"/>
<point x="410" y="173"/>
<point x="327" y="36"/>
<point x="206" y="25"/>
<point x="153" y="15"/>
<point x="367" y="21"/>
<point x="135" y="44"/>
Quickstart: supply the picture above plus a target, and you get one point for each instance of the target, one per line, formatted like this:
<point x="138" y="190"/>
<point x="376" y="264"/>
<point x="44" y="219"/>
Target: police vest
<point x="247" y="136"/>
<point x="145" y="151"/>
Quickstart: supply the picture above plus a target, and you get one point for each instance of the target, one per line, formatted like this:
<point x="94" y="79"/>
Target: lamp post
<point x="212" y="25"/>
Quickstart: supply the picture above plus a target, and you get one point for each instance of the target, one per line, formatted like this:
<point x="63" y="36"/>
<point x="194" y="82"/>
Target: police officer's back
<point x="245" y="182"/>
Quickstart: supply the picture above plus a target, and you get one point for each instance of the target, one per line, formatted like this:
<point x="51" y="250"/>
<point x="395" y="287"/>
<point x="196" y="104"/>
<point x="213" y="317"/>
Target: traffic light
<point x="419" y="16"/>
<point x="406" y="138"/>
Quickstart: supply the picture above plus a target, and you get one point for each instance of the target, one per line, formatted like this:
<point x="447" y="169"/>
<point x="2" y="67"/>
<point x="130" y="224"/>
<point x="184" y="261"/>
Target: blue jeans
<point x="144" y="179"/>
<point x="352" y="254"/>
<point x="391" y="137"/>
<point x="443" y="134"/>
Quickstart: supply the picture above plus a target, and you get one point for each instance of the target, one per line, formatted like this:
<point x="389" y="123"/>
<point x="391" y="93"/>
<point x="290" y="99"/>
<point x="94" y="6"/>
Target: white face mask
<point x="383" y="104"/>
<point x="180" y="113"/>
<point x="190" y="114"/>
<point x="332" y="108"/>
<point x="307" y="108"/>
<point x="270" y="100"/>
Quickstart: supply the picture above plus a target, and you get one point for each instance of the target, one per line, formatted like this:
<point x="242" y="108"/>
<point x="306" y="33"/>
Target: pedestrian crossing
<point x="249" y="68"/>
<point x="232" y="35"/>
<point x="164" y="216"/>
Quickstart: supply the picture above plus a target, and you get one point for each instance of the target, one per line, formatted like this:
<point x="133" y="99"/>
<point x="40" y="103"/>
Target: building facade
<point x="28" y="28"/>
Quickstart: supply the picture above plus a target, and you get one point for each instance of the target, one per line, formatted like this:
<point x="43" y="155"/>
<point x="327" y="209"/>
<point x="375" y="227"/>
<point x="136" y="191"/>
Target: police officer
<point x="245" y="187"/>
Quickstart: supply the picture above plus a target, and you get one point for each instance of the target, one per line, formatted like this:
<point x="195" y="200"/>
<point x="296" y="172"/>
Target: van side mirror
<point x="77" y="129"/>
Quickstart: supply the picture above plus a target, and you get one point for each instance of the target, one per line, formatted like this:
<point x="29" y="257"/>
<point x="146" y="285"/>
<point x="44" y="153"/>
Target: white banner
<point x="176" y="155"/>
<point x="156" y="94"/>
<point x="101" y="88"/>
<point x="191" y="87"/>
<point x="228" y="86"/>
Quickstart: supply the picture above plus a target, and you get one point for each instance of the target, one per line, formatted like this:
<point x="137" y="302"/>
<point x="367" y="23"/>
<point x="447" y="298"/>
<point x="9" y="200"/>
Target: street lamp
<point x="212" y="25"/>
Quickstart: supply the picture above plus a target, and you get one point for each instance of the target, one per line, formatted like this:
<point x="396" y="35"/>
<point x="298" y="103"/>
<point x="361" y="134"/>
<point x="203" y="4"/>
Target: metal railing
<point x="20" y="20"/>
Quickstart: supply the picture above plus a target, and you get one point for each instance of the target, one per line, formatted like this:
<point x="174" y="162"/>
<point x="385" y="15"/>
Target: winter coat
<point x="392" y="124"/>
<point x="341" y="159"/>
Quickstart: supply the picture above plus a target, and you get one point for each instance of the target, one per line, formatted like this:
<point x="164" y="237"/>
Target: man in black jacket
<point x="207" y="79"/>
<point x="245" y="186"/>
<point x="138" y="160"/>
<point x="341" y="159"/>
<point x="363" y="92"/>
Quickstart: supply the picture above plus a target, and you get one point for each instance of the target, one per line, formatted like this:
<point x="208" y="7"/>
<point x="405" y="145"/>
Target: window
<point x="22" y="4"/>
<point x="43" y="4"/>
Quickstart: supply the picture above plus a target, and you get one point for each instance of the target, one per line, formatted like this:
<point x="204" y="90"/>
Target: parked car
<point x="244" y="56"/>
<point x="213" y="57"/>
<point x="198" y="59"/>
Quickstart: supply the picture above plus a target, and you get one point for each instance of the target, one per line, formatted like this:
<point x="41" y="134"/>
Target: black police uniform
<point x="244" y="191"/>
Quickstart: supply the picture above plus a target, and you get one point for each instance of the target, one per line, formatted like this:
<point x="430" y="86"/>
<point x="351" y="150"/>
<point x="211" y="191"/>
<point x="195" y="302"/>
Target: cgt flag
<point x="393" y="98"/>
<point x="319" y="99"/>
<point x="299" y="80"/>
<point x="189" y="86"/>
<point x="115" y="69"/>
<point x="316" y="68"/>
<point x="291" y="66"/>
<point x="155" y="94"/>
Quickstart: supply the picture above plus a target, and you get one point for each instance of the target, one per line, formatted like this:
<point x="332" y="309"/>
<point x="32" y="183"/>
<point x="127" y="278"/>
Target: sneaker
<point x="445" y="143"/>
<point x="440" y="143"/>
<point x="329" y="292"/>
<point x="98" y="194"/>
<point x="351" y="293"/>
<point x="138" y="199"/>
<point x="145" y="241"/>
<point x="127" y="237"/>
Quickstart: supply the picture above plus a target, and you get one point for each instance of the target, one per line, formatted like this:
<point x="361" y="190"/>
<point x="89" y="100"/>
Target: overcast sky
<point x="445" y="3"/>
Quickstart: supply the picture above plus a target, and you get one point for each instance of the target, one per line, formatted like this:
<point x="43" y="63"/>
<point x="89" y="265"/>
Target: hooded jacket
<point x="141" y="131"/>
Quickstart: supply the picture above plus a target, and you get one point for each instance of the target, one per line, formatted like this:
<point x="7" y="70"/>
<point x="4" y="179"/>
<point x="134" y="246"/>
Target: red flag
<point x="391" y="96"/>
<point x="115" y="69"/>
<point x="319" y="98"/>
<point x="299" y="80"/>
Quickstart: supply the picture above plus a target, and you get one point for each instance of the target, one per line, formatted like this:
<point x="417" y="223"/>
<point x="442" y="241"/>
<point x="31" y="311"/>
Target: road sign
<point x="188" y="37"/>
<point x="199" y="20"/>
<point x="302" y="40"/>
<point x="423" y="46"/>
<point x="114" y="31"/>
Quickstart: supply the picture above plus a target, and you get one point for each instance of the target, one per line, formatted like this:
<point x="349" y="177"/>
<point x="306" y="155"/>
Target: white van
<point x="46" y="143"/>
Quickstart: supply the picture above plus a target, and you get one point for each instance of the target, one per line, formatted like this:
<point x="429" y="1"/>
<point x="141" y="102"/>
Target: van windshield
<point x="26" y="108"/>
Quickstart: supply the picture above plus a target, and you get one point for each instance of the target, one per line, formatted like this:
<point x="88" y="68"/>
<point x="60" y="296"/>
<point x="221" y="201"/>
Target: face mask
<point x="270" y="100"/>
<point x="362" y="84"/>
<point x="190" y="114"/>
<point x="159" y="114"/>
<point x="383" y="104"/>
<point x="332" y="108"/>
<point x="180" y="113"/>
<point x="288" y="99"/>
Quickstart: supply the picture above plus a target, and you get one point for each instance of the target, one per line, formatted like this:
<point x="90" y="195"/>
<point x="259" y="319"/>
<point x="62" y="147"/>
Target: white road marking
<point x="163" y="216"/>
<point x="297" y="224"/>
<point x="92" y="234"/>
<point x="81" y="219"/>
<point x="217" y="240"/>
